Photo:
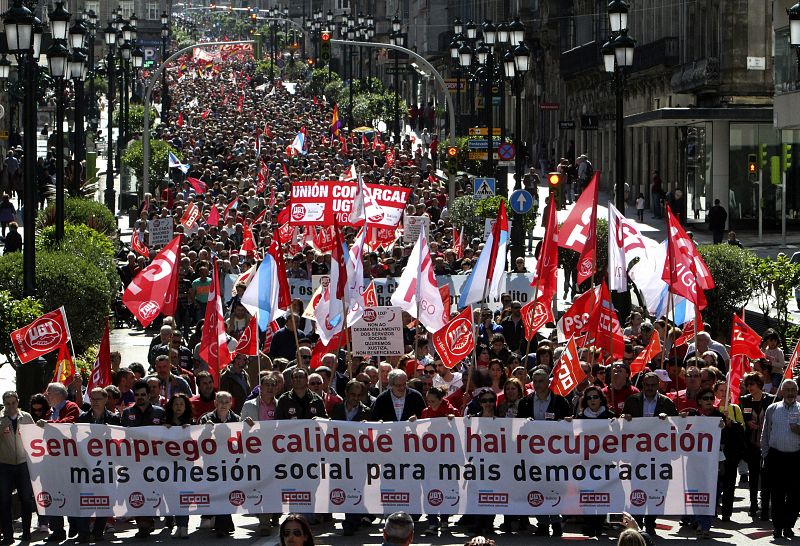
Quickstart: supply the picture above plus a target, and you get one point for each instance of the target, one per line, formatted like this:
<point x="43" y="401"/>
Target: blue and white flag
<point x="299" y="143"/>
<point x="175" y="164"/>
<point x="262" y="295"/>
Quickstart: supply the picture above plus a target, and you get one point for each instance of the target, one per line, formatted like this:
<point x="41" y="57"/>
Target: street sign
<point x="590" y="122"/>
<point x="477" y="155"/>
<point x="483" y="131"/>
<point x="566" y="124"/>
<point x="484" y="188"/>
<point x="506" y="151"/>
<point x="549" y="106"/>
<point x="455" y="84"/>
<point x="402" y="68"/>
<point x="521" y="201"/>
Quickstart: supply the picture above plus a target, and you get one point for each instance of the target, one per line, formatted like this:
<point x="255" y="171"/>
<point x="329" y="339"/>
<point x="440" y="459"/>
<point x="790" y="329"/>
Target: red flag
<point x="370" y="297"/>
<point x="444" y="292"/>
<point x="689" y="329"/>
<point x="684" y="270"/>
<point x="273" y="327"/>
<point x="154" y="289"/>
<point x="198" y="185"/>
<point x="456" y="341"/>
<point x="339" y="257"/>
<point x="138" y="246"/>
<point x="43" y="335"/>
<point x="285" y="170"/>
<point x="588" y="257"/>
<point x="604" y="325"/>
<point x="241" y="103"/>
<point x="233" y="205"/>
<point x="321" y="349"/>
<point x="180" y="119"/>
<point x="248" y="242"/>
<point x="204" y="115"/>
<point x="568" y="372"/>
<point x="267" y="131"/>
<point x="263" y="173"/>
<point x="101" y="368"/>
<point x="376" y="142"/>
<point x="364" y="142"/>
<point x="744" y="340"/>
<point x="390" y="158"/>
<point x="324" y="239"/>
<point x="214" y="340"/>
<point x="248" y="342"/>
<point x="649" y="353"/>
<point x="271" y="203"/>
<point x="276" y="251"/>
<point x="458" y="242"/>
<point x="546" y="277"/>
<point x="735" y="376"/>
<point x="537" y="313"/>
<point x="213" y="216"/>
<point x="190" y="216"/>
<point x="283" y="216"/>
<point x="260" y="218"/>
<point x="790" y="367"/>
<point x="65" y="371"/>
<point x="575" y="321"/>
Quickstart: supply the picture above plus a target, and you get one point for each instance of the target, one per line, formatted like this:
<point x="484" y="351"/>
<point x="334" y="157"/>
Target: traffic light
<point x="325" y="46"/>
<point x="762" y="156"/>
<point x="752" y="168"/>
<point x="452" y="160"/>
<point x="554" y="180"/>
<point x="787" y="157"/>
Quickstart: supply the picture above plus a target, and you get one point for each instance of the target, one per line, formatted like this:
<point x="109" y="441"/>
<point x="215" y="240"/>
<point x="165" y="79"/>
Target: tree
<point x="734" y="272"/>
<point x="14" y="314"/>
<point x="775" y="281"/>
<point x="133" y="158"/>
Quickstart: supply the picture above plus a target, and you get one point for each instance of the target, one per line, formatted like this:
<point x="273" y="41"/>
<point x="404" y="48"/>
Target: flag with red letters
<point x="568" y="372"/>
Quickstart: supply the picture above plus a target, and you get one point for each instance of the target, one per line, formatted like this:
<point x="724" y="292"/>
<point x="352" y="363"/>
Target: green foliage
<point x="488" y="208"/>
<point x="65" y="279"/>
<point x="100" y="85"/>
<point x="14" y="314"/>
<point x="319" y="79"/>
<point x="86" y="243"/>
<point x="80" y="211"/>
<point x="463" y="214"/>
<point x="295" y="70"/>
<point x="263" y="66"/>
<point x="734" y="273"/>
<point x="136" y="118"/>
<point x="133" y="158"/>
<point x="775" y="281"/>
<point x="85" y="361"/>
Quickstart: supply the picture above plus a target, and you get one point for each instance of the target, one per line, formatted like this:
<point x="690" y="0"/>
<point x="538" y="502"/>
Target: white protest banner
<point x="412" y="225"/>
<point x="317" y="202"/>
<point x="301" y="289"/>
<point x="379" y="333"/>
<point x="160" y="231"/>
<point x="465" y="466"/>
<point x="488" y="225"/>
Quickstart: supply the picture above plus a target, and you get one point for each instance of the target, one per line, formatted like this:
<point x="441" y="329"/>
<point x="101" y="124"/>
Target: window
<point x="151" y="11"/>
<point x="93" y="6"/>
<point x="126" y="7"/>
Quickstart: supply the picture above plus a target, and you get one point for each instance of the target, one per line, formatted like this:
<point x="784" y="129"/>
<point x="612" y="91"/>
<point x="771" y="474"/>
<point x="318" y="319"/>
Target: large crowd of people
<point x="226" y="122"/>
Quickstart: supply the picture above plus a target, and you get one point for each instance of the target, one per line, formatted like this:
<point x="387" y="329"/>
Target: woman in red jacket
<point x="438" y="406"/>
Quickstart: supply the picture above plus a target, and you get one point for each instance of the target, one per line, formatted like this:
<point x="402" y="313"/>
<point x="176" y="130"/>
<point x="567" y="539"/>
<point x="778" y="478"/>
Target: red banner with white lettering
<point x="744" y="340"/>
<point x="536" y="313"/>
<point x="317" y="202"/>
<point x="649" y="353"/>
<point x="46" y="333"/>
<point x="456" y="341"/>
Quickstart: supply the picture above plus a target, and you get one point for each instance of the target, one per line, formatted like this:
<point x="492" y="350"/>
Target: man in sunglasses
<point x="299" y="402"/>
<point x="649" y="403"/>
<point x="544" y="405"/>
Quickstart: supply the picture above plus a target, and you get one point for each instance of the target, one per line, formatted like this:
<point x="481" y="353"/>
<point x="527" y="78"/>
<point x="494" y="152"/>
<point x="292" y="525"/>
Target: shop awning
<point x="679" y="117"/>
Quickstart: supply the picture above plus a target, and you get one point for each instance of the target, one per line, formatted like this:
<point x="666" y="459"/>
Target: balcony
<point x="696" y="77"/>
<point x="662" y="52"/>
<point x="580" y="59"/>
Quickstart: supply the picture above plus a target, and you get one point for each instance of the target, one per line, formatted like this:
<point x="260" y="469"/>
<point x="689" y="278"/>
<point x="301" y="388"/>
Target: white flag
<point x="417" y="288"/>
<point x="329" y="323"/>
<point x="625" y="243"/>
<point x="355" y="279"/>
<point x="365" y="208"/>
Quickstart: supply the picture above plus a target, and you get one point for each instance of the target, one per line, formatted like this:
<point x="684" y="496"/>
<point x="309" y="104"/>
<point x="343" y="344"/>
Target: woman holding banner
<point x="179" y="414"/>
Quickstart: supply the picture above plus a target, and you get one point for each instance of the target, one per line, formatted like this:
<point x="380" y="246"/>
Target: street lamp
<point x="164" y="87"/>
<point x="617" y="56"/>
<point x="349" y="57"/>
<point x="57" y="57"/>
<point x="110" y="35"/>
<point x="19" y="27"/>
<point x="77" y="68"/>
<point x="396" y="38"/>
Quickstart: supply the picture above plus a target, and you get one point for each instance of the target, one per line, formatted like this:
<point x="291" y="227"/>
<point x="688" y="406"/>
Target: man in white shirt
<point x="446" y="378"/>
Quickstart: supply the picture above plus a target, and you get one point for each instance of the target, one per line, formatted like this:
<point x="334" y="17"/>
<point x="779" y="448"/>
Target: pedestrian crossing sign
<point x="484" y="188"/>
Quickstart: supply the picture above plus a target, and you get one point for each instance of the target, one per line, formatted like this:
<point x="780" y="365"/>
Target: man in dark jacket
<point x="544" y="405"/>
<point x="142" y="414"/>
<point x="398" y="402"/>
<point x="717" y="216"/>
<point x="299" y="402"/>
<point x="13" y="240"/>
<point x="97" y="415"/>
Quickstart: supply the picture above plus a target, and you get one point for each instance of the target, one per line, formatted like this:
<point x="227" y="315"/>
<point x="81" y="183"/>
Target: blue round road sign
<point x="521" y="201"/>
<point x="506" y="151"/>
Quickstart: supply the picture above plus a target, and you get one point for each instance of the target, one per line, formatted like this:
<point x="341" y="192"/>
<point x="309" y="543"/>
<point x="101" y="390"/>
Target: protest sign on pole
<point x="379" y="333"/>
<point x="161" y="231"/>
<point x="412" y="225"/>
<point x="432" y="466"/>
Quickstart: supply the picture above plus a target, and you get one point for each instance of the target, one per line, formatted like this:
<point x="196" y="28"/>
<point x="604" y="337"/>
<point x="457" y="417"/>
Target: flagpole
<point x="417" y="293"/>
<point x="730" y="369"/>
<point x="608" y="273"/>
<point x="66" y="323"/>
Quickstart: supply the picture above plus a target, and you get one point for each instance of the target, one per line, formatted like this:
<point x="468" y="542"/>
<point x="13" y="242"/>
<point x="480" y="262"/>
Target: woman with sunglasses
<point x="705" y="408"/>
<point x="295" y="531"/>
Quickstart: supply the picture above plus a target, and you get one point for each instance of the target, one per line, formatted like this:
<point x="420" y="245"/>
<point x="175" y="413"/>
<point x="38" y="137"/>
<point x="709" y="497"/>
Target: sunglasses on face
<point x="707" y="398"/>
<point x="430" y="372"/>
<point x="315" y="383"/>
<point x="290" y="532"/>
<point x="487" y="400"/>
<point x="593" y="397"/>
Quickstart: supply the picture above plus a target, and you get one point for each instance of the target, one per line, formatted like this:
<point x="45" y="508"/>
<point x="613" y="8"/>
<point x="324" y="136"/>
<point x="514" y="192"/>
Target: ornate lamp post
<point x="110" y="35"/>
<point x="57" y="56"/>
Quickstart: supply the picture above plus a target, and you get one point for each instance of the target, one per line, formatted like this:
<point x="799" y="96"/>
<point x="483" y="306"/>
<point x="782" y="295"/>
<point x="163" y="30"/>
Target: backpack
<point x="589" y="170"/>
